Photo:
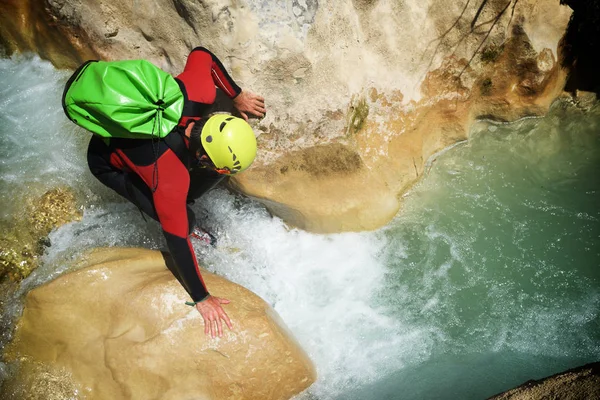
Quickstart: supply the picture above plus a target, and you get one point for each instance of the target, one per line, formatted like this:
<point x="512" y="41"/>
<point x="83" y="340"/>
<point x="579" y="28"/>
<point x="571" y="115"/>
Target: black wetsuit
<point x="134" y="167"/>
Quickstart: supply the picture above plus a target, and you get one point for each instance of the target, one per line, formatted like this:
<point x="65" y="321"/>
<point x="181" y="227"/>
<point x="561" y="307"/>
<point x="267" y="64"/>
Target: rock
<point x="389" y="84"/>
<point x="119" y="329"/>
<point x="27" y="234"/>
<point x="50" y="29"/>
<point x="580" y="383"/>
<point x="54" y="208"/>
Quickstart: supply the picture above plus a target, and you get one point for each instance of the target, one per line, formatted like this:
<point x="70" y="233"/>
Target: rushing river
<point x="488" y="277"/>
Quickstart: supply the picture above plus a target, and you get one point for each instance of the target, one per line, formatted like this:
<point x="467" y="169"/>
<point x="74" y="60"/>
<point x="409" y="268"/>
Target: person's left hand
<point x="250" y="103"/>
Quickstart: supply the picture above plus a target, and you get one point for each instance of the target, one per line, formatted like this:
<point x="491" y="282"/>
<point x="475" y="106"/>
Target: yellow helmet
<point x="229" y="142"/>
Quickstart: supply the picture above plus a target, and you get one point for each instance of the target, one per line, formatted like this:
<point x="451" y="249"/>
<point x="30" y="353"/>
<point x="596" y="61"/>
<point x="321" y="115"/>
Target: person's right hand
<point x="213" y="313"/>
<point x="250" y="103"/>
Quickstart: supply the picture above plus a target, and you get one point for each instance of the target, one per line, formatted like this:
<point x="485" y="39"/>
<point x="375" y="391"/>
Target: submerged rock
<point x="581" y="383"/>
<point x="119" y="329"/>
<point x="27" y="234"/>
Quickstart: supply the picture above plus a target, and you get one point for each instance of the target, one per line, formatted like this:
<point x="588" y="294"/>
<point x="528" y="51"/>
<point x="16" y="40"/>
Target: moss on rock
<point x="27" y="235"/>
<point x="357" y="115"/>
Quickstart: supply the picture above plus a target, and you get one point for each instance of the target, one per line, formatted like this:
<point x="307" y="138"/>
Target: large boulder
<point x="119" y="329"/>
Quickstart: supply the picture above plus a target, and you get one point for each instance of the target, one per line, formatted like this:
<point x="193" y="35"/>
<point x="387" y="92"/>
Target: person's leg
<point x="131" y="187"/>
<point x="191" y="219"/>
<point x="128" y="185"/>
<point x="201" y="181"/>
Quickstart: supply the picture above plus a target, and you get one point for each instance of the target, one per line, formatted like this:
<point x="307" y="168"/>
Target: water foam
<point x="35" y="135"/>
<point x="323" y="286"/>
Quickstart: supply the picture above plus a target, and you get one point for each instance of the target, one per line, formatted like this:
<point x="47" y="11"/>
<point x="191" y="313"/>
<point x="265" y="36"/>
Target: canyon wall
<point x="360" y="94"/>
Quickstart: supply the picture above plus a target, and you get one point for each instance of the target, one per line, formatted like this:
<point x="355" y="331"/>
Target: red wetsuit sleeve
<point x="170" y="205"/>
<point x="203" y="71"/>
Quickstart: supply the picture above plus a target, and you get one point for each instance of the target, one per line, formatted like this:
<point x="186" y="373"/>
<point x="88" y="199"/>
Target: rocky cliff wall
<point x="360" y="93"/>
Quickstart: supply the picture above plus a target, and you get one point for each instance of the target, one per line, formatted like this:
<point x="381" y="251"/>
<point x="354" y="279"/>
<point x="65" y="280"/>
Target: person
<point x="155" y="175"/>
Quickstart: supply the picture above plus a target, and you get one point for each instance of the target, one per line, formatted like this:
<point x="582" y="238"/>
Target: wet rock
<point x="54" y="208"/>
<point x="580" y="383"/>
<point x="51" y="29"/>
<point x="119" y="329"/>
<point x="27" y="235"/>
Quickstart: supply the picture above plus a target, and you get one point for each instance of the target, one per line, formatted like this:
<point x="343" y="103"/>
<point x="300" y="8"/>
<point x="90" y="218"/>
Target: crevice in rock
<point x="580" y="46"/>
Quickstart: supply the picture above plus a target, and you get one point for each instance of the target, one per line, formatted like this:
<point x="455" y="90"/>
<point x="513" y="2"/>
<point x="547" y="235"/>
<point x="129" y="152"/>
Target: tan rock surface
<point x="119" y="329"/>
<point x="581" y="383"/>
<point x="356" y="183"/>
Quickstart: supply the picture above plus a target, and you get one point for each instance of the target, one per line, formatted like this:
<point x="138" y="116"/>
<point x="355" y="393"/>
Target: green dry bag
<point x="123" y="99"/>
